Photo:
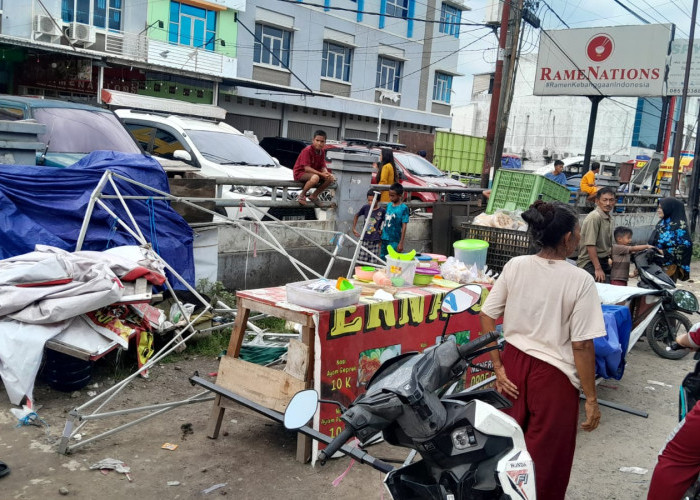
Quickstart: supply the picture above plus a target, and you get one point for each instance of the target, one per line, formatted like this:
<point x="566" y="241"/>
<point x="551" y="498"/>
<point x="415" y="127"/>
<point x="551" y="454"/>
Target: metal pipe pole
<point x="694" y="195"/>
<point x="684" y="103"/>
<point x="595" y="100"/>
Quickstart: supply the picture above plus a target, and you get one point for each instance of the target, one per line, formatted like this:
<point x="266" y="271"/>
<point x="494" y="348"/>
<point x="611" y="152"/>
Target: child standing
<point x="372" y="239"/>
<point x="621" y="250"/>
<point x="396" y="220"/>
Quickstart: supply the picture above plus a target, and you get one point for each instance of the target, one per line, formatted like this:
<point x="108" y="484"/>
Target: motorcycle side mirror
<point x="300" y="409"/>
<point x="461" y="299"/>
<point x="685" y="301"/>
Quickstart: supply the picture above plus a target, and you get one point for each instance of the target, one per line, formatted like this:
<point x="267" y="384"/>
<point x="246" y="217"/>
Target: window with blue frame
<point x="272" y="45"/>
<point x="192" y="26"/>
<point x="389" y="73"/>
<point x="450" y="17"/>
<point x="397" y="8"/>
<point x="336" y="61"/>
<point x="442" y="89"/>
<point x="105" y="13"/>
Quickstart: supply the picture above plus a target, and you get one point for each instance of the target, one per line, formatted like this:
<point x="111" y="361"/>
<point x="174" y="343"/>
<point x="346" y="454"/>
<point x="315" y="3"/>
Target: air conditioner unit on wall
<point x="45" y="25"/>
<point x="555" y="156"/>
<point x="82" y="33"/>
<point x="546" y="152"/>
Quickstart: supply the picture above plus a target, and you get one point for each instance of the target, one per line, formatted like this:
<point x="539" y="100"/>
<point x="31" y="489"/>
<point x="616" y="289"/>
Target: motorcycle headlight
<point x="251" y="190"/>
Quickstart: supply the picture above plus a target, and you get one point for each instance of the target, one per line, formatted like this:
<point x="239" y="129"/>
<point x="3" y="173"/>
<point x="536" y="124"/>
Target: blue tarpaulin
<point x="46" y="205"/>
<point x="610" y="350"/>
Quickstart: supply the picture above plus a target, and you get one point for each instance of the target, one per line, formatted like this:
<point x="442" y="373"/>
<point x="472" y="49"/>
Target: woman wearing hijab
<point x="387" y="172"/>
<point x="672" y="237"/>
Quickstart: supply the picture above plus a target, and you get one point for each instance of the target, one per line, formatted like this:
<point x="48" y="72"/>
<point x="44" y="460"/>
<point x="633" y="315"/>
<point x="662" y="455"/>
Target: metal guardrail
<point x="284" y="193"/>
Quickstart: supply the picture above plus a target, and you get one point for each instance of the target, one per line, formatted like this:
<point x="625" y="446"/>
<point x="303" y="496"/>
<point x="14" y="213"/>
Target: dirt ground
<point x="254" y="456"/>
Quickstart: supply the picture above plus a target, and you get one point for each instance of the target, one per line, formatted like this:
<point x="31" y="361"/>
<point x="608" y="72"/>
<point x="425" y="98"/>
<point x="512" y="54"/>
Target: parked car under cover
<point x="72" y="130"/>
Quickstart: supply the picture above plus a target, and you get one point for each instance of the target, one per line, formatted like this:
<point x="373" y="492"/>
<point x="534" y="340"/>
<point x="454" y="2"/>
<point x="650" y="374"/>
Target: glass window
<point x="11" y="114"/>
<point x="442" y="89"/>
<point x="450" y="17"/>
<point x="388" y="73"/>
<point x="336" y="61"/>
<point x="154" y="140"/>
<point x="271" y="45"/>
<point x="226" y="148"/>
<point x="191" y="26"/>
<point x="105" y="13"/>
<point x="397" y="8"/>
<point x="417" y="165"/>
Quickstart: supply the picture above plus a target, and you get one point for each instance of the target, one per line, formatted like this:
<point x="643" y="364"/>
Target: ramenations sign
<point x="612" y="61"/>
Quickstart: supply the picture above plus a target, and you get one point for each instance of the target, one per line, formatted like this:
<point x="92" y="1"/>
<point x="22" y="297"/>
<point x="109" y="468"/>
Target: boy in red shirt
<point x="310" y="168"/>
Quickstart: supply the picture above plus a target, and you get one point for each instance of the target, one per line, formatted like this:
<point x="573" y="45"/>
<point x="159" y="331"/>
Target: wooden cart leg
<point x="217" y="415"/>
<point x="304" y="442"/>
<point x="238" y="332"/>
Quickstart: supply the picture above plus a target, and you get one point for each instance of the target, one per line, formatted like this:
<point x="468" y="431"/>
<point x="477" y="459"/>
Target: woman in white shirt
<point x="551" y="314"/>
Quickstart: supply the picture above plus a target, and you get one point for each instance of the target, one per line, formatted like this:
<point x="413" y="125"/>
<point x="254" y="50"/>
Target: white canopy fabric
<point x="43" y="292"/>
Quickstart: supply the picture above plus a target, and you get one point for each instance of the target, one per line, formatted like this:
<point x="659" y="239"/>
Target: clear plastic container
<point x="471" y="252"/>
<point x="404" y="269"/>
<point x="299" y="293"/>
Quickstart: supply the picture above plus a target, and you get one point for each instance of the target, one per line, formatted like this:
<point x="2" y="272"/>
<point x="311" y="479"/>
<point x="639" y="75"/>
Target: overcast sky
<point x="478" y="56"/>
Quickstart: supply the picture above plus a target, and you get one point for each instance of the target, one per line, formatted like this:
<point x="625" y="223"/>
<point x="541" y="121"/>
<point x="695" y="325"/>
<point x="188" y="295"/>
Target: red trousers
<point x="679" y="462"/>
<point x="547" y="410"/>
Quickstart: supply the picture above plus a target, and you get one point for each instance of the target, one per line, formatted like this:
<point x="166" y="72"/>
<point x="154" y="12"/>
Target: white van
<point x="216" y="148"/>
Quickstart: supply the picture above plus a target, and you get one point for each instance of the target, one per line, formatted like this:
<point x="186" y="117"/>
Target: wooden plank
<point x="304" y="318"/>
<point x="270" y="388"/>
<point x="297" y="360"/>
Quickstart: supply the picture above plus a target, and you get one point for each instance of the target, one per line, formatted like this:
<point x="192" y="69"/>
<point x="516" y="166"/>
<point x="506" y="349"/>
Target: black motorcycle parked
<point x="668" y="307"/>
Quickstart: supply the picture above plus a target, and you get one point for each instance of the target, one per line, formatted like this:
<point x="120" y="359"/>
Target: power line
<point x="557" y="15"/>
<point x="370" y="13"/>
<point x="618" y="2"/>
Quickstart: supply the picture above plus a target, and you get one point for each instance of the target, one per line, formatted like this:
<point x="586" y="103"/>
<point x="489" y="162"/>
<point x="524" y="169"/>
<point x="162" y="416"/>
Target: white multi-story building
<point x="355" y="68"/>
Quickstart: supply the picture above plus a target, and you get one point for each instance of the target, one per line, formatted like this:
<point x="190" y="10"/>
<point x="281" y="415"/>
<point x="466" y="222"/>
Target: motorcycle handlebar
<point x="335" y="445"/>
<point x="466" y="349"/>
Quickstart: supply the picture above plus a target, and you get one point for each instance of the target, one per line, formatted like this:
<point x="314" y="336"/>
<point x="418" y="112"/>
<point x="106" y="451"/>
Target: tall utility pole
<point x="684" y="104"/>
<point x="489" y="159"/>
<point x="507" y="86"/>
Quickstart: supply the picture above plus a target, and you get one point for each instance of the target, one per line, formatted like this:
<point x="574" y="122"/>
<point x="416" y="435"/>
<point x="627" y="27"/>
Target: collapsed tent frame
<point x="80" y="416"/>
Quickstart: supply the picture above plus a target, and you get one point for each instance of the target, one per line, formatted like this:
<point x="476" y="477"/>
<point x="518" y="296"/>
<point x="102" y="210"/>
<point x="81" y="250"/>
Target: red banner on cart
<point x="356" y="340"/>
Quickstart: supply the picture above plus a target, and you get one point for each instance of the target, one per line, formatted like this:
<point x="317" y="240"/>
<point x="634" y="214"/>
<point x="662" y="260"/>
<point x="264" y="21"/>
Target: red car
<point x="416" y="171"/>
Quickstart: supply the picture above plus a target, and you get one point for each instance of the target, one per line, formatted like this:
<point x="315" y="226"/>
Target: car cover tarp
<point x="46" y="205"/>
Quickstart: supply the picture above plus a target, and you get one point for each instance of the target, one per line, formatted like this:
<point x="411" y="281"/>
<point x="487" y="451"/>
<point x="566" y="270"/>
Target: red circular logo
<point x="600" y="47"/>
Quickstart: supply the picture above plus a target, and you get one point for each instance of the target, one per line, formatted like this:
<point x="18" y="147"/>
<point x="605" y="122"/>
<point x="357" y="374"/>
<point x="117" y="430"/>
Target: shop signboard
<point x="676" y="69"/>
<point x="605" y="61"/>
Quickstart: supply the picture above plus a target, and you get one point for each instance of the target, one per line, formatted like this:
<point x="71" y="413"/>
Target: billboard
<point x="676" y="69"/>
<point x="611" y="61"/>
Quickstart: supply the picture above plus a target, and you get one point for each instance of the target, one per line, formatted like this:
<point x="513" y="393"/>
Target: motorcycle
<point x="663" y="309"/>
<point x="468" y="448"/>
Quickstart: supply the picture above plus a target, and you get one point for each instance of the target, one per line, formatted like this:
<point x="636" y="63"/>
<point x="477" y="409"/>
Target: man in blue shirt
<point x="558" y="174"/>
